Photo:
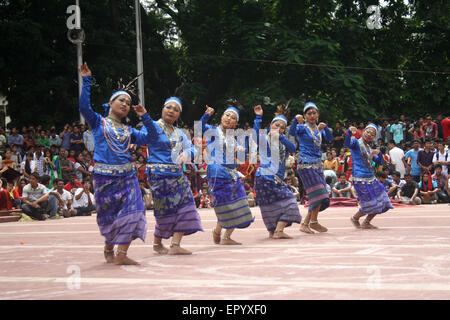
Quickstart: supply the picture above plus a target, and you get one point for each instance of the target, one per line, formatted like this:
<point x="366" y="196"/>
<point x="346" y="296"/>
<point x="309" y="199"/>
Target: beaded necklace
<point x="173" y="136"/>
<point x="365" y="152"/>
<point x="117" y="141"/>
<point x="317" y="138"/>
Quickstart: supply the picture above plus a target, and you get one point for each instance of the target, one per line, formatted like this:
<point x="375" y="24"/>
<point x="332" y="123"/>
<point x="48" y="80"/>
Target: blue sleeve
<point x="146" y="134"/>
<point x="257" y="126"/>
<point x="350" y="142"/>
<point x="378" y="159"/>
<point x="86" y="111"/>
<point x="293" y="128"/>
<point x="289" y="145"/>
<point x="326" y="134"/>
<point x="204" y="119"/>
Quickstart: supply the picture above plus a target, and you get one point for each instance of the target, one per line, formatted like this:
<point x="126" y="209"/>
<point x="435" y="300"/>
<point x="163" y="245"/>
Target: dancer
<point x="228" y="193"/>
<point x="175" y="210"/>
<point x="119" y="205"/>
<point x="310" y="168"/>
<point x="279" y="208"/>
<point x="371" y="193"/>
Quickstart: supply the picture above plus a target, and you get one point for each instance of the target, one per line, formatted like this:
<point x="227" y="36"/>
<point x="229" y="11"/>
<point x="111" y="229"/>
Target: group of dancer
<point x="120" y="209"/>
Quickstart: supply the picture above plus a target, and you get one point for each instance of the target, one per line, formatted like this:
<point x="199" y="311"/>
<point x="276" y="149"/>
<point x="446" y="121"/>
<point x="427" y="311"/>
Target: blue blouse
<point x="266" y="159"/>
<point x="361" y="168"/>
<point x="309" y="151"/>
<point x="160" y="154"/>
<point x="217" y="168"/>
<point x="103" y="154"/>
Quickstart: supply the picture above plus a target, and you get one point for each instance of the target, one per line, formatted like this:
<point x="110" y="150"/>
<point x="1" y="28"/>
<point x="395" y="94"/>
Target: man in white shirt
<point x="442" y="157"/>
<point x="35" y="201"/>
<point x="397" y="158"/>
<point x="64" y="198"/>
<point x="39" y="159"/>
<point x="83" y="200"/>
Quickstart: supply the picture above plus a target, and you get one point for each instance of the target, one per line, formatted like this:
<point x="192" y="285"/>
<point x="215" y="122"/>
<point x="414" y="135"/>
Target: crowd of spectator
<point x="48" y="174"/>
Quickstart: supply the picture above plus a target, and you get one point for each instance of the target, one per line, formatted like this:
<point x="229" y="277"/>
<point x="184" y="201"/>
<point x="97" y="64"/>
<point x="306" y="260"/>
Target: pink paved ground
<point x="407" y="258"/>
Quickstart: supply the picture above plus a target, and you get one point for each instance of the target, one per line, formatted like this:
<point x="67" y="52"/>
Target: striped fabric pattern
<point x="315" y="186"/>
<point x="372" y="196"/>
<point x="175" y="209"/>
<point x="120" y="208"/>
<point x="277" y="203"/>
<point x="230" y="203"/>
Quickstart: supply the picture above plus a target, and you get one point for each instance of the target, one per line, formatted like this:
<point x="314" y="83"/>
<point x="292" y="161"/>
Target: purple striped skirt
<point x="120" y="208"/>
<point x="316" y="187"/>
<point x="277" y="203"/>
<point x="175" y="209"/>
<point x="372" y="197"/>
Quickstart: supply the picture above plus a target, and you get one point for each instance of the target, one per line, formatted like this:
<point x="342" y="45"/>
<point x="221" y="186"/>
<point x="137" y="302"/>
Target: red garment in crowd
<point x="69" y="186"/>
<point x="446" y="128"/>
<point x="5" y="200"/>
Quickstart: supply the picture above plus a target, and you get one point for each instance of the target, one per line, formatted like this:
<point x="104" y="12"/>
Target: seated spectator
<point x="428" y="189"/>
<point x="15" y="199"/>
<point x="343" y="188"/>
<point x="80" y="167"/>
<point x="331" y="163"/>
<point x="42" y="139"/>
<point x="146" y="195"/>
<point x="441" y="179"/>
<point x="329" y="181"/>
<point x="73" y="183"/>
<point x="141" y="166"/>
<point x="34" y="204"/>
<point x="72" y="156"/>
<point x="408" y="194"/>
<point x="5" y="196"/>
<point x="397" y="183"/>
<point x="205" y="199"/>
<point x="54" y="139"/>
<point x="8" y="161"/>
<point x="332" y="175"/>
<point x="387" y="183"/>
<point x="293" y="189"/>
<point x="64" y="197"/>
<point x="83" y="200"/>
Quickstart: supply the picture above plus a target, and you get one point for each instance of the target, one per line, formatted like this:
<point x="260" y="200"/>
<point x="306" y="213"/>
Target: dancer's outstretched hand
<point x="352" y="129"/>
<point x="258" y="110"/>
<point x="322" y="125"/>
<point x="300" y="118"/>
<point x="209" y="111"/>
<point x="374" y="152"/>
<point x="140" y="110"/>
<point x="84" y="70"/>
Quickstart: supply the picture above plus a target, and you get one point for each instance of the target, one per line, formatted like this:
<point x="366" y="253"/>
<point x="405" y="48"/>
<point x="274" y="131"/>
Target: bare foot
<point x="177" y="250"/>
<point x="367" y="225"/>
<point x="216" y="236"/>
<point x="270" y="234"/>
<point x="318" y="227"/>
<point x="355" y="223"/>
<point x="229" y="241"/>
<point x="122" y="259"/>
<point x="160" y="249"/>
<point x="109" y="256"/>
<point x="305" y="228"/>
<point x="281" y="235"/>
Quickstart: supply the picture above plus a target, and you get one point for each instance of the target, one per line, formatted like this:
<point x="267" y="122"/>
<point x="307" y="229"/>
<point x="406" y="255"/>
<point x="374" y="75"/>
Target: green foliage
<point x="258" y="51"/>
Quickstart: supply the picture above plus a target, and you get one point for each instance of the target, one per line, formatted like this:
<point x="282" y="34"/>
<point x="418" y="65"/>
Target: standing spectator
<point x="39" y="159"/>
<point x="88" y="139"/>
<point x="64" y="198"/>
<point x="441" y="157"/>
<point x="429" y="128"/>
<point x="33" y="200"/>
<point x="15" y="138"/>
<point x="76" y="140"/>
<point x="386" y="131"/>
<point x="15" y="154"/>
<point x="28" y="166"/>
<point x="411" y="158"/>
<point x="397" y="158"/>
<point x="339" y="134"/>
<point x="397" y="131"/>
<point x="141" y="166"/>
<point x="408" y="193"/>
<point x="446" y="129"/>
<point x="425" y="157"/>
<point x="428" y="189"/>
<point x="42" y="139"/>
<point x="54" y="139"/>
<point x="438" y="122"/>
<point x="441" y="179"/>
<point x="83" y="200"/>
<point x="30" y="140"/>
<point x="65" y="136"/>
